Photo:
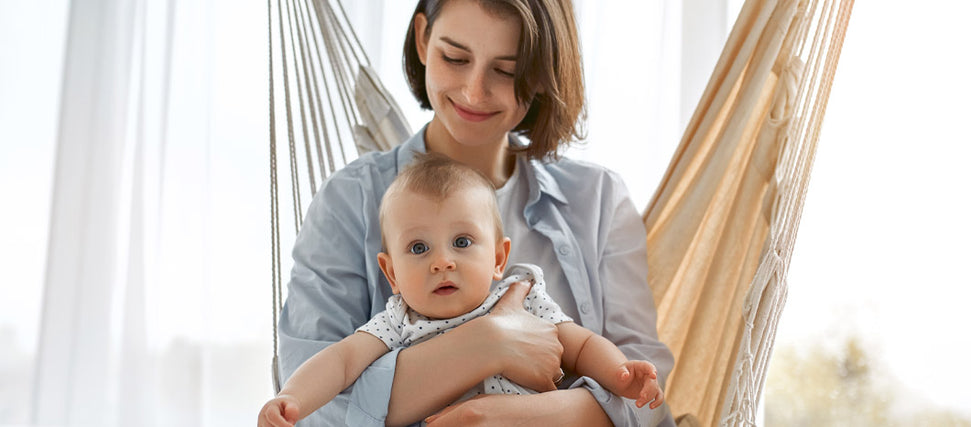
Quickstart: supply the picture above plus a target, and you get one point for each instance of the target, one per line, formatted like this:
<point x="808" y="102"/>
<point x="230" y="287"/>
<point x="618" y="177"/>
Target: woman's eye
<point x="505" y="73"/>
<point x="418" y="248"/>
<point x="462" y="242"/>
<point x="451" y="60"/>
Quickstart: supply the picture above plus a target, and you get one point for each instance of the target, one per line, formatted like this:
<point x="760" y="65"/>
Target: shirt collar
<point x="407" y="149"/>
<point x="540" y="180"/>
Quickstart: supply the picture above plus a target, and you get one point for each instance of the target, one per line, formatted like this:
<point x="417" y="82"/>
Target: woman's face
<point x="470" y="60"/>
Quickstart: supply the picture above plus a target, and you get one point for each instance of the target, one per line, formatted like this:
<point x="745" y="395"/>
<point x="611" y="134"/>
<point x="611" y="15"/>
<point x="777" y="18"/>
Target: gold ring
<point x="559" y="379"/>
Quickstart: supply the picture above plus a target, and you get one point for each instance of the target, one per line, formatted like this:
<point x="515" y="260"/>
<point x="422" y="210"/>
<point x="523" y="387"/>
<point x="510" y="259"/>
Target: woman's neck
<point x="492" y="160"/>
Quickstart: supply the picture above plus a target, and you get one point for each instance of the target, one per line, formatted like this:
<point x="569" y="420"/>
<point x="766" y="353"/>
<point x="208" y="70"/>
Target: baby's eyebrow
<point x="458" y="45"/>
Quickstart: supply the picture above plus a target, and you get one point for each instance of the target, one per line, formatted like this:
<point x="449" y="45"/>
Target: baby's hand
<point x="282" y="411"/>
<point x="638" y="380"/>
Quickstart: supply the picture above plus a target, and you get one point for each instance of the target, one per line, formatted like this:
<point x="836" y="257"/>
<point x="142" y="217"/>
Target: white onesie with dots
<point x="400" y="326"/>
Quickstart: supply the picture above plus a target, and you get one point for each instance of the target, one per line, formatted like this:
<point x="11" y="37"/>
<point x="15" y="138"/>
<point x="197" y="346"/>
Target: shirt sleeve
<point x="329" y="296"/>
<point x="630" y="315"/>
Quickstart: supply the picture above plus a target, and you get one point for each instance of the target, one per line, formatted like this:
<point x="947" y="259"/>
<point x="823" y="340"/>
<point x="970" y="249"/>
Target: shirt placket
<point x="548" y="221"/>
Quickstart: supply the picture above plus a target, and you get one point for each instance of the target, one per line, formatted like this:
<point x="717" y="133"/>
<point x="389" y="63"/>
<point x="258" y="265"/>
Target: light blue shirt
<point x="581" y="211"/>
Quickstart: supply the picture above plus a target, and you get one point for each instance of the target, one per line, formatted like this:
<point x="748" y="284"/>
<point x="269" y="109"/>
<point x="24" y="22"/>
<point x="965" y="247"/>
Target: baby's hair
<point x="438" y="177"/>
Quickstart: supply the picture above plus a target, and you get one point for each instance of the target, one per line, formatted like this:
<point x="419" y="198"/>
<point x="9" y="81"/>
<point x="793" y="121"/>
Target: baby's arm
<point x="319" y="379"/>
<point x="592" y="355"/>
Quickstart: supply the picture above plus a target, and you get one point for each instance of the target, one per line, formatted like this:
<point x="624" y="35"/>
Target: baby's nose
<point x="443" y="264"/>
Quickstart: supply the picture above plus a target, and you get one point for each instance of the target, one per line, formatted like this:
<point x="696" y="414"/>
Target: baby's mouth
<point x="446" y="288"/>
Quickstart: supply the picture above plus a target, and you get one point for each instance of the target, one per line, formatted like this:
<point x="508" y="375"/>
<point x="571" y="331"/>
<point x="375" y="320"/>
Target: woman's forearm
<point x="573" y="407"/>
<point x="430" y="375"/>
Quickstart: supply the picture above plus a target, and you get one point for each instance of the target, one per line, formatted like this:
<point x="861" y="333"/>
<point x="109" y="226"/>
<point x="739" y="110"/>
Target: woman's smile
<point x="471" y="115"/>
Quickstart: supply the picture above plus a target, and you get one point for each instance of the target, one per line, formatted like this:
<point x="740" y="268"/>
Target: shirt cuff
<point x="623" y="412"/>
<point x="371" y="393"/>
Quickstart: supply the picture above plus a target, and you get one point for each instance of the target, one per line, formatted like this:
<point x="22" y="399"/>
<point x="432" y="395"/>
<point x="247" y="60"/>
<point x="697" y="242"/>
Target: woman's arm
<point x="568" y="408"/>
<point x="509" y="341"/>
<point x="629" y="313"/>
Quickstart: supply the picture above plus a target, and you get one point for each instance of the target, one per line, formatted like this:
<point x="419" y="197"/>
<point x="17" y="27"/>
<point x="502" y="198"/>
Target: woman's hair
<point x="548" y="76"/>
<point x="439" y="177"/>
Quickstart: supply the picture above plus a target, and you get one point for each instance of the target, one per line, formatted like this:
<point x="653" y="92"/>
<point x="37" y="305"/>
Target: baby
<point x="444" y="247"/>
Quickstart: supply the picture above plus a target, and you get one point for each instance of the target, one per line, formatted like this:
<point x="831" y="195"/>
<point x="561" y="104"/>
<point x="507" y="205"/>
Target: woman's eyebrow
<point x="465" y="48"/>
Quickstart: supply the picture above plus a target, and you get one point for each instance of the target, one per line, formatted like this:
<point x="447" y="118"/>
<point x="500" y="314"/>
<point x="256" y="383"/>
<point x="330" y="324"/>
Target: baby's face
<point x="442" y="256"/>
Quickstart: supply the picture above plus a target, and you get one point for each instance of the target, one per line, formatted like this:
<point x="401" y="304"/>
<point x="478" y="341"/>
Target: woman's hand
<point x="510" y="341"/>
<point x="529" y="349"/>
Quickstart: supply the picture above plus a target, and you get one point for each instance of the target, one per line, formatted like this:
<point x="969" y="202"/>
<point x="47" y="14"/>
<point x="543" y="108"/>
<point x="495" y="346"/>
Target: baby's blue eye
<point x="418" y="248"/>
<point x="462" y="242"/>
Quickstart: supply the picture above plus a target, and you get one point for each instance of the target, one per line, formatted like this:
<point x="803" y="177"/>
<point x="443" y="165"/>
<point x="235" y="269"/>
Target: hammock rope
<point x="326" y="77"/>
<point x="274" y="208"/>
<point x="764" y="303"/>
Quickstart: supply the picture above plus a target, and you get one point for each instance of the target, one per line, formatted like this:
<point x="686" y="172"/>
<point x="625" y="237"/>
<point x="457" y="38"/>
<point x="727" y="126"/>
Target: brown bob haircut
<point x="548" y="76"/>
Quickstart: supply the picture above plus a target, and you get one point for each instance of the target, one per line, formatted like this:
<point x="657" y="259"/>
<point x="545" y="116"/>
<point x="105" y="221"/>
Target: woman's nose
<point x="476" y="87"/>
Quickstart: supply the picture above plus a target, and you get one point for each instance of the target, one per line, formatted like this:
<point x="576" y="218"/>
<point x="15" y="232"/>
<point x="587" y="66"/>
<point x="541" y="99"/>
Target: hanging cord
<point x="321" y="25"/>
<point x="301" y="76"/>
<point x="341" y="67"/>
<point x="313" y="90"/>
<point x="310" y="29"/>
<point x="274" y="208"/>
<point x="294" y="171"/>
<point x="357" y="41"/>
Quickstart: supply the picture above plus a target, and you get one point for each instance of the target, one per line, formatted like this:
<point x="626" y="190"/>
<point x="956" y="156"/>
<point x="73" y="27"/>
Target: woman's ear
<point x="502" y="256"/>
<point x="387" y="267"/>
<point x="421" y="41"/>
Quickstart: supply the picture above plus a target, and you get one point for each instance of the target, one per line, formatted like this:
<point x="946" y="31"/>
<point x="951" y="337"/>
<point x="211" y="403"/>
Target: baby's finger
<point x="658" y="399"/>
<point x="644" y="399"/>
<point x="624" y="375"/>
<point x="275" y="418"/>
<point x="291" y="413"/>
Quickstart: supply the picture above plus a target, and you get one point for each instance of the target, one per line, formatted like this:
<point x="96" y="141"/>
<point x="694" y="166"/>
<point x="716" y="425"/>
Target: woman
<point x="488" y="69"/>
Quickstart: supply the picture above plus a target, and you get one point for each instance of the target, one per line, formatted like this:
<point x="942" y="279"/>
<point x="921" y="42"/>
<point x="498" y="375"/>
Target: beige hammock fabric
<point x="723" y="221"/>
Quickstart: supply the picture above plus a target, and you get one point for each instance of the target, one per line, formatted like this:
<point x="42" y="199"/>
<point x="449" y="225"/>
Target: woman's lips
<point x="472" y="116"/>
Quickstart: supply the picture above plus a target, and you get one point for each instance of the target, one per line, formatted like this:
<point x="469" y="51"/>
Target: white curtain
<point x="155" y="307"/>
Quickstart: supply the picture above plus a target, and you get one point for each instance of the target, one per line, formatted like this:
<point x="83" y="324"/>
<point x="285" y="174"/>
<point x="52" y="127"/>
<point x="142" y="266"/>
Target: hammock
<point x="723" y="221"/>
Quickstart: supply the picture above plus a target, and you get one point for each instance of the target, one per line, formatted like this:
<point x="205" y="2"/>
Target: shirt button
<point x="585" y="308"/>
<point x="564" y="249"/>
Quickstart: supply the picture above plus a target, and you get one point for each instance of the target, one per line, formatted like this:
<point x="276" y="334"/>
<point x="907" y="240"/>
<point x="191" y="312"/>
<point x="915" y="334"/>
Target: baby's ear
<point x="387" y="267"/>
<point x="502" y="256"/>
